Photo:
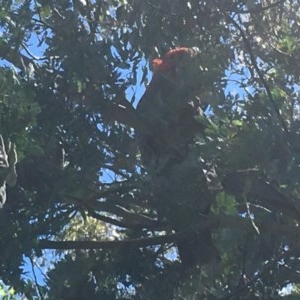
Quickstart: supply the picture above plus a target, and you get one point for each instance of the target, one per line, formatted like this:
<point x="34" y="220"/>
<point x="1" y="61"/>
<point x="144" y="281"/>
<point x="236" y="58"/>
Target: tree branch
<point x="259" y="9"/>
<point x="140" y="243"/>
<point x="13" y="56"/>
<point x="266" y="227"/>
<point x="257" y="69"/>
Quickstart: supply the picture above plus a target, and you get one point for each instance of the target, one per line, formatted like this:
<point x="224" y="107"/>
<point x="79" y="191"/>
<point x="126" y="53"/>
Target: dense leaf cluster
<point x="71" y="75"/>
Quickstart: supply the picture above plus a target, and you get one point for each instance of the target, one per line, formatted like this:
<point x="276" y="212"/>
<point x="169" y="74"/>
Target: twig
<point x="35" y="278"/>
<point x="257" y="69"/>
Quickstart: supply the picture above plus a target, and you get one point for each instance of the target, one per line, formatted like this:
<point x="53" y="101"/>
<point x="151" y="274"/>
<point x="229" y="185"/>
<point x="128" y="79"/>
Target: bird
<point x="170" y="102"/>
<point x="171" y="111"/>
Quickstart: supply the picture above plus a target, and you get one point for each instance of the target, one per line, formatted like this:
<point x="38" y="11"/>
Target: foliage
<point x="70" y="76"/>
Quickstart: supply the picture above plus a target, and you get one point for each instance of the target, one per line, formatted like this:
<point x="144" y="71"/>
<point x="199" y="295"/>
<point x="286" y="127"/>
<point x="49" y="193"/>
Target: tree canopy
<point x="71" y="75"/>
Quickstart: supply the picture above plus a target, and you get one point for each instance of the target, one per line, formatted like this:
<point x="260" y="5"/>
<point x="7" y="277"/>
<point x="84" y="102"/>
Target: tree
<point x="71" y="76"/>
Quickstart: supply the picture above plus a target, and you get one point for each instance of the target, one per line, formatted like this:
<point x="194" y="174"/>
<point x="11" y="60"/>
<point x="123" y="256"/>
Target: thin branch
<point x="130" y="219"/>
<point x="252" y="218"/>
<point x="257" y="69"/>
<point x="35" y="279"/>
<point x="261" y="193"/>
<point x="259" y="9"/>
<point x="266" y="266"/>
<point x="106" y="219"/>
<point x="34" y="58"/>
<point x="13" y="56"/>
<point x="107" y="245"/>
<point x="134" y="224"/>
